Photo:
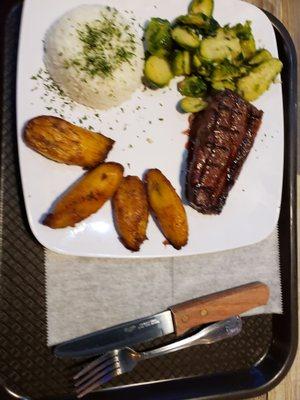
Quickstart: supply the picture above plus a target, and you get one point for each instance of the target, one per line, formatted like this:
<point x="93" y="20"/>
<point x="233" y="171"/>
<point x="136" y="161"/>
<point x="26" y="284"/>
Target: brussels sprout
<point x="206" y="26"/>
<point x="192" y="104"/>
<point x="244" y="33"/>
<point x="248" y="48"/>
<point x="177" y="64"/>
<point x="186" y="37"/>
<point x="252" y="86"/>
<point x="187" y="68"/>
<point x="210" y="27"/>
<point x="158" y="71"/>
<point x="222" y="85"/>
<point x="260" y="56"/>
<point x="224" y="45"/>
<point x="193" y="86"/>
<point x="225" y="71"/>
<point x="181" y="63"/>
<point x="206" y="68"/>
<point x="244" y="70"/>
<point x="196" y="61"/>
<point x="202" y="6"/>
<point x="192" y="19"/>
<point x="158" y="39"/>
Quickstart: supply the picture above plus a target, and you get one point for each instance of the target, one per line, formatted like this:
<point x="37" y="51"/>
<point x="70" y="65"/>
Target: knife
<point x="178" y="319"/>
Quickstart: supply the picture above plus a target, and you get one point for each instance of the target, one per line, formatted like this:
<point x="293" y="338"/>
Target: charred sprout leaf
<point x="193" y="86"/>
<point x="202" y="6"/>
<point x="192" y="104"/>
<point x="243" y="31"/>
<point x="240" y="58"/>
<point x="210" y="27"/>
<point x="158" y="38"/>
<point x="206" y="68"/>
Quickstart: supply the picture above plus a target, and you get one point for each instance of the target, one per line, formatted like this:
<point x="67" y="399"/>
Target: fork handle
<point x="211" y="334"/>
<point x="218" y="306"/>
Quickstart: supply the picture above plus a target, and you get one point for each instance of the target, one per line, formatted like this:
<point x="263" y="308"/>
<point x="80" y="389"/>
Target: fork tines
<point x="97" y="373"/>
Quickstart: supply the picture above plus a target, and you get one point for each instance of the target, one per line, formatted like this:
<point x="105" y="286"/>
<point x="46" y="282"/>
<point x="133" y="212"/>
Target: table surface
<point x="288" y="11"/>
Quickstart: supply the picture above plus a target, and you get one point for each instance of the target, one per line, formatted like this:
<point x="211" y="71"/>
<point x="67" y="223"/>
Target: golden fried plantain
<point x="168" y="208"/>
<point x="86" y="196"/>
<point x="131" y="212"/>
<point x="66" y="143"/>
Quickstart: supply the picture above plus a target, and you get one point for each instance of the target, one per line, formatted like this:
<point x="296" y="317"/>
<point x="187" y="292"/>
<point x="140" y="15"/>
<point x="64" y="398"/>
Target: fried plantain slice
<point x="131" y="212"/>
<point x="66" y="143"/>
<point x="167" y="208"/>
<point x="86" y="196"/>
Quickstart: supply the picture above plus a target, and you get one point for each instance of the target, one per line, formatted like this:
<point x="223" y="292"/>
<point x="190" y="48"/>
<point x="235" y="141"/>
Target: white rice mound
<point x="62" y="43"/>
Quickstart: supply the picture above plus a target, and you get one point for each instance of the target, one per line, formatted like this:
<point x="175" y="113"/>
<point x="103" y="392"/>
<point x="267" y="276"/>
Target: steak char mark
<point x="221" y="137"/>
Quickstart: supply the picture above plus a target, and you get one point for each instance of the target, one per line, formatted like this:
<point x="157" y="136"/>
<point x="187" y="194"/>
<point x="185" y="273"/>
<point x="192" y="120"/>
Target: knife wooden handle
<point x="218" y="306"/>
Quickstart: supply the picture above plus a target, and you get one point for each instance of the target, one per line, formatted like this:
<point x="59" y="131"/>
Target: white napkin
<point x="89" y="294"/>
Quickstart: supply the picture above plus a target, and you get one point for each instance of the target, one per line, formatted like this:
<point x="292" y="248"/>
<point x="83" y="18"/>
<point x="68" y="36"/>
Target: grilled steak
<point x="221" y="137"/>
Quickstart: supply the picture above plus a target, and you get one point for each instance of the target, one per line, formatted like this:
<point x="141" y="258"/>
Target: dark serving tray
<point x="242" y="367"/>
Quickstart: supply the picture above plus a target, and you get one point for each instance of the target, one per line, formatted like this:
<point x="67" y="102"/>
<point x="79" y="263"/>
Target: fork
<point x="117" y="362"/>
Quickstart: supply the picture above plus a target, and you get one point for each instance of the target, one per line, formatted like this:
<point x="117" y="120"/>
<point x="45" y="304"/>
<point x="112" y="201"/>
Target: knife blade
<point x="179" y="319"/>
<point x="122" y="335"/>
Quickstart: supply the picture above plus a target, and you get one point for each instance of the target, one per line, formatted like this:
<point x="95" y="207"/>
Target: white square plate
<point x="148" y="134"/>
